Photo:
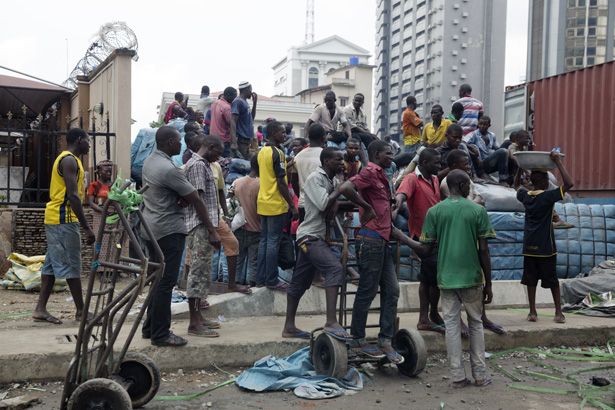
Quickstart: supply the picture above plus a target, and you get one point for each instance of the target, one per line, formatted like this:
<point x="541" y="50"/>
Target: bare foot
<point x="436" y="318"/>
<point x="559" y="318"/>
<point x="532" y="317"/>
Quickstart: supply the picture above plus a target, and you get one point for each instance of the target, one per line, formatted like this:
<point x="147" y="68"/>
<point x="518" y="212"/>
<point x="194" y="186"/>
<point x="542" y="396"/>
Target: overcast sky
<point x="184" y="45"/>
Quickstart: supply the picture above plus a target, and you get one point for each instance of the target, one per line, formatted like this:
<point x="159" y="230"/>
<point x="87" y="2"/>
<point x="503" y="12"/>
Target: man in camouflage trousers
<point x="202" y="235"/>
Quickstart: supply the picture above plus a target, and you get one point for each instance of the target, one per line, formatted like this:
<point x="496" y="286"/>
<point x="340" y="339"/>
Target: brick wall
<point x="26" y="234"/>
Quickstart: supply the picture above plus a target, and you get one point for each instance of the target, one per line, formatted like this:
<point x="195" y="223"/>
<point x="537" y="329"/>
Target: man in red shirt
<point x="221" y="119"/>
<point x="373" y="252"/>
<point x="421" y="190"/>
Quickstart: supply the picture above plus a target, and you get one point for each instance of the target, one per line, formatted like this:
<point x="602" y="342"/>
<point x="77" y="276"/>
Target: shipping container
<point x="573" y="111"/>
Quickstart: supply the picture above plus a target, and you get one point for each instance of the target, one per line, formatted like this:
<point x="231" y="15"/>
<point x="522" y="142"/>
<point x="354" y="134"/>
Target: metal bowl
<point x="535" y="159"/>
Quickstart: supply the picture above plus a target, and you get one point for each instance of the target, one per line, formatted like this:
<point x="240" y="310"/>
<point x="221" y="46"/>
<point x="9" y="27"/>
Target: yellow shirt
<point x="219" y="178"/>
<point x="271" y="165"/>
<point x="433" y="136"/>
<point x="58" y="210"/>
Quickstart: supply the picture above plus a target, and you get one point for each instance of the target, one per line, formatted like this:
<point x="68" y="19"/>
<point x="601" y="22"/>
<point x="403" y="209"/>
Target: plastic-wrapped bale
<point x="506" y="250"/>
<point x="590" y="242"/>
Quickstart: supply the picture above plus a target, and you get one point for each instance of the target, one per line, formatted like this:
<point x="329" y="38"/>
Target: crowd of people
<point x="294" y="187"/>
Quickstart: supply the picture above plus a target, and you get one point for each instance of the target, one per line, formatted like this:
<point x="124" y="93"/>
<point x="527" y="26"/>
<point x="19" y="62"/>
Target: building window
<point x="331" y="69"/>
<point x="343" y="101"/>
<point x="347" y="75"/>
<point x="313" y="77"/>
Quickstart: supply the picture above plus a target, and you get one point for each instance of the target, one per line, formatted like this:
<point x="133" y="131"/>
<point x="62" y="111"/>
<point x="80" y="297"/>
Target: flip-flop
<point x="281" y="286"/>
<point x="495" y="328"/>
<point x="372" y="352"/>
<point x="529" y="319"/>
<point x="485" y="382"/>
<point x="556" y="320"/>
<point x="318" y="284"/>
<point x="242" y="289"/>
<point x="204" y="333"/>
<point x="437" y="328"/>
<point x="204" y="304"/>
<point x="461" y="383"/>
<point x="211" y="324"/>
<point x="50" y="319"/>
<point x="339" y="334"/>
<point x="301" y="335"/>
<point x="395" y="358"/>
<point x="465" y="331"/>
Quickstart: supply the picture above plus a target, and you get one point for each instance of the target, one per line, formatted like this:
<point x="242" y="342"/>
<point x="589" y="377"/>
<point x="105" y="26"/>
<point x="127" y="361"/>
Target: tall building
<point x="567" y="35"/>
<point x="307" y="66"/>
<point x="428" y="48"/>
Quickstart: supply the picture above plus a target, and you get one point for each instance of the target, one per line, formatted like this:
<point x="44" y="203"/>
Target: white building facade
<point x="428" y="48"/>
<point x="306" y="66"/>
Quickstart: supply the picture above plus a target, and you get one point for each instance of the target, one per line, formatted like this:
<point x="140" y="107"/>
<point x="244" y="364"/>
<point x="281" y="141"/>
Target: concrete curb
<point x="38" y="353"/>
<point x="266" y="302"/>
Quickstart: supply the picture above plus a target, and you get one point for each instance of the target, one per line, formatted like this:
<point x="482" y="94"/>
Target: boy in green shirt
<point x="464" y="271"/>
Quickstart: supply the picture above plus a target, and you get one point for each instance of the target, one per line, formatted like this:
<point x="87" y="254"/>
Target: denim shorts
<point x="63" y="259"/>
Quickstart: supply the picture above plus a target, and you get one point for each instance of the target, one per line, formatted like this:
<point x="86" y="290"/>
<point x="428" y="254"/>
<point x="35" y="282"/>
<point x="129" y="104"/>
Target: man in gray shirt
<point x="320" y="196"/>
<point x="168" y="188"/>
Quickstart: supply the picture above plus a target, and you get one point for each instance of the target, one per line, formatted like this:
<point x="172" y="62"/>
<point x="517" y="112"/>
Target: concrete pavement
<point x="41" y="351"/>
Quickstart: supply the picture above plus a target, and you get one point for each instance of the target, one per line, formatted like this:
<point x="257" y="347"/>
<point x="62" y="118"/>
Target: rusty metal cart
<point x="99" y="376"/>
<point x="331" y="356"/>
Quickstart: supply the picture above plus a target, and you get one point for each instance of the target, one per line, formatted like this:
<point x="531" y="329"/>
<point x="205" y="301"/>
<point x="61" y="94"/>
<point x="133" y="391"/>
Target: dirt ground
<point x="385" y="388"/>
<point x="17" y="305"/>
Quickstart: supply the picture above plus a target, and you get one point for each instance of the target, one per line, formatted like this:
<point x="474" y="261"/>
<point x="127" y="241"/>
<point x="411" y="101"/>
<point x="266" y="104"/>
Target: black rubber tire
<point x="144" y="376"/>
<point x="410" y="344"/>
<point x="330" y="356"/>
<point x="99" y="394"/>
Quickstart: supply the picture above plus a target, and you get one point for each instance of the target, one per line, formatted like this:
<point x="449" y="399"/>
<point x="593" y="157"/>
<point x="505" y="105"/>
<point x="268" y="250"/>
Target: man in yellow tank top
<point x="63" y="214"/>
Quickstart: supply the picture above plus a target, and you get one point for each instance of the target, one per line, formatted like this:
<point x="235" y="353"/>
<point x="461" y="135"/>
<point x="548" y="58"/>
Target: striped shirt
<point x="471" y="109"/>
<point x="199" y="174"/>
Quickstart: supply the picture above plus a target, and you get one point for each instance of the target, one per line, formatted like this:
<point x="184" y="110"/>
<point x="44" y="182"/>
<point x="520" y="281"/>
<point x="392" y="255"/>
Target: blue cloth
<point x="296" y="372"/>
<point x="245" y="123"/>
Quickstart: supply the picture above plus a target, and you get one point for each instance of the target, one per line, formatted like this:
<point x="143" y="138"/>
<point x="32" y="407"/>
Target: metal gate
<point x="28" y="148"/>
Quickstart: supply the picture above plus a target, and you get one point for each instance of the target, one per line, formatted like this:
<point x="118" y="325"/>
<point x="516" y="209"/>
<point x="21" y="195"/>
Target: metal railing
<point x="29" y="147"/>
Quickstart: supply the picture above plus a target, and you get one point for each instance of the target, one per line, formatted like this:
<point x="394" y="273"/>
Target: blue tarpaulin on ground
<point x="297" y="372"/>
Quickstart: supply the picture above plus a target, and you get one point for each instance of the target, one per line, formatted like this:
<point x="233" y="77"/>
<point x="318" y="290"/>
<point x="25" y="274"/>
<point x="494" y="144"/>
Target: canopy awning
<point x="36" y="96"/>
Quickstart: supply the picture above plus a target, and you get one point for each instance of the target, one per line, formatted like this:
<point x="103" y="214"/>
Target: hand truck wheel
<point x="99" y="394"/>
<point x="330" y="356"/>
<point x="143" y="377"/>
<point x="410" y="344"/>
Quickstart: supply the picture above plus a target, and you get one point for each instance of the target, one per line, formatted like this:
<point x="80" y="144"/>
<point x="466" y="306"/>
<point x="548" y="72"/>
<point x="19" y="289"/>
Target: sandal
<point x="369" y="351"/>
<point x="49" y="319"/>
<point x="204" y="333"/>
<point x="204" y="304"/>
<point x="281" y="286"/>
<point x="172" y="341"/>
<point x="461" y="383"/>
<point x="485" y="382"/>
<point x="210" y="324"/>
<point x="395" y="358"/>
<point x="241" y="289"/>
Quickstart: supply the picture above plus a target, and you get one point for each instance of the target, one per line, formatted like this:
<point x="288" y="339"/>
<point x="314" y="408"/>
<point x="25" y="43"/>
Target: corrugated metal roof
<point x="576" y="112"/>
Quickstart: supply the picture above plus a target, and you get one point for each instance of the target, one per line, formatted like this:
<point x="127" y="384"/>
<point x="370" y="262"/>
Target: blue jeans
<point x="248" y="254"/>
<point x="375" y="269"/>
<point x="497" y="161"/>
<point x="227" y="150"/>
<point x="268" y="249"/>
